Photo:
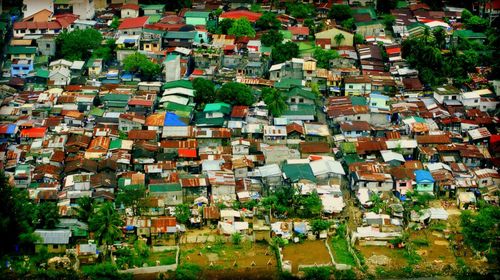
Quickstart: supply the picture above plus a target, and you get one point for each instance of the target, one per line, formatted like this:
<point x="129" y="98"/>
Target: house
<point x="370" y="175"/>
<point x="424" y="181"/>
<point x="471" y="99"/>
<point x="300" y="96"/>
<point x="275" y="134"/>
<point x="172" y="68"/>
<point x="487" y="177"/>
<point x="129" y="11"/>
<point x="132" y="26"/>
<point x="60" y="77"/>
<point x="22" y="60"/>
<point x="56" y="241"/>
<point x="445" y="94"/>
<point x="22" y="176"/>
<point x="197" y="17"/>
<point x="355" y="129"/>
<point x="403" y="181"/>
<point x="370" y="28"/>
<point x="326" y="39"/>
<point x="171" y="193"/>
<point x="127" y="122"/>
<point x="299" y="33"/>
<point x="94" y="67"/>
<point x="84" y="9"/>
<point x="31" y="7"/>
<point x="156" y="9"/>
<point x="357" y="85"/>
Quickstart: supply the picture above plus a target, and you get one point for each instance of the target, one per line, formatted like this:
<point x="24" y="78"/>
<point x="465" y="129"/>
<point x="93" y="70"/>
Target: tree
<point x="340" y="12"/>
<point x="255" y="8"/>
<point x="182" y="213"/>
<point x="115" y="23"/>
<point x="300" y="10"/>
<point x="359" y="39"/>
<point x="317" y="273"/>
<point x="440" y="37"/>
<point x="477" y="24"/>
<point x="466" y="15"/>
<point x="86" y="207"/>
<point x="236" y="94"/>
<point x="385" y="6"/>
<point x="132" y="196"/>
<point x="319" y="225"/>
<point x="275" y="101"/>
<point x="388" y="21"/>
<point x="106" y="51"/>
<point x="339" y="38"/>
<point x="284" y="52"/>
<point x="236" y="238"/>
<point x="140" y="63"/>
<point x="323" y="57"/>
<point x="224" y="26"/>
<point x="105" y="224"/>
<point x="17" y="215"/>
<point x="47" y="215"/>
<point x="241" y="27"/>
<point x="310" y="206"/>
<point x="271" y="38"/>
<point x="205" y="91"/>
<point x="267" y="21"/>
<point x="77" y="44"/>
<point x="480" y="229"/>
<point x="348" y="24"/>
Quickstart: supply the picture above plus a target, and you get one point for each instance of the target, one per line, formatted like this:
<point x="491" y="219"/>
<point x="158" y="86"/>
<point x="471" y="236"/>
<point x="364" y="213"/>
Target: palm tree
<point x="106" y="225"/>
<point x="85" y="208"/>
<point x="275" y="101"/>
<point x="339" y="38"/>
<point x="426" y="35"/>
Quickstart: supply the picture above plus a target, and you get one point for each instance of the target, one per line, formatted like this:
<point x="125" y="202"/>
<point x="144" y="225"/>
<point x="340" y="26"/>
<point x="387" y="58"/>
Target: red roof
<point x="251" y="16"/>
<point x="140" y="102"/>
<point x="296" y="30"/>
<point x="198" y="72"/>
<point x="393" y="50"/>
<point x="187" y="153"/>
<point x="130" y="7"/>
<point x="239" y="111"/>
<point x="52" y="25"/>
<point x="35" y="132"/>
<point x="130" y="23"/>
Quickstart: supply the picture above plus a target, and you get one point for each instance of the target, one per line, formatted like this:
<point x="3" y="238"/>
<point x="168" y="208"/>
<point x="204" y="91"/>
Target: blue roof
<point x="423" y="176"/>
<point x="171" y="119"/>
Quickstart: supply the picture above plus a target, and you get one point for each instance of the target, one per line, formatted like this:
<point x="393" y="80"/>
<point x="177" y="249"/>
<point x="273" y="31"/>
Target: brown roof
<point x="81" y="141"/>
<point x="294" y="127"/>
<point x="357" y="79"/>
<point x="177" y="144"/>
<point x="137" y="134"/>
<point x="413" y="164"/>
<point x="412" y="84"/>
<point x="355" y="126"/>
<point x="402" y="173"/>
<point x="314" y="147"/>
<point x="433" y="139"/>
<point x="392" y="135"/>
<point x="239" y="111"/>
<point x="211" y="213"/>
<point x="58" y="156"/>
<point x="364" y="146"/>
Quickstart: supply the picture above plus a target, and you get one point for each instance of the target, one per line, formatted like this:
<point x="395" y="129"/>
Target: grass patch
<point x="439" y="226"/>
<point x="165" y="258"/>
<point x="422" y="242"/>
<point x="340" y="251"/>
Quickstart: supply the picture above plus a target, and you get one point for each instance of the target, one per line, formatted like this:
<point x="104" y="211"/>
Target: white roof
<point x="324" y="166"/>
<point x="401" y="143"/>
<point x="390" y="155"/>
<point x="63" y="71"/>
<point x="437" y="166"/>
<point x="470" y="95"/>
<point x="436" y="23"/>
<point x="467" y="197"/>
<point x="77" y="65"/>
<point x="61" y="62"/>
<point x="269" y="170"/>
<point x="179" y="91"/>
<point x="184" y="51"/>
<point x="479" y="133"/>
<point x="332" y="204"/>
<point x="175" y="98"/>
<point x="275" y="67"/>
<point x="229" y="213"/>
<point x="60" y="236"/>
<point x="123" y="38"/>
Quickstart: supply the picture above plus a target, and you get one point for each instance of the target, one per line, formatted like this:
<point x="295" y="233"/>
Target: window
<point x="47" y="46"/>
<point x="200" y="35"/>
<point x="476" y="101"/>
<point x="348" y="133"/>
<point x="484" y="182"/>
<point x="301" y="100"/>
<point x="358" y="118"/>
<point x="55" y="246"/>
<point x="155" y="45"/>
<point x="374" y="103"/>
<point x="351" y="86"/>
<point x="292" y="100"/>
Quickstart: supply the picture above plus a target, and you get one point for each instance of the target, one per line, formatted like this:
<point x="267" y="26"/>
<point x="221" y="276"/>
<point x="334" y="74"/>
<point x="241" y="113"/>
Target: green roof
<point x="366" y="23"/>
<point x="202" y="121"/>
<point x="286" y="34"/>
<point x="369" y="11"/>
<point x="59" y="2"/>
<point x="348" y="147"/>
<point x="217" y="107"/>
<point x="42" y="73"/>
<point x="179" y="109"/>
<point x="114" y="97"/>
<point x="180" y="35"/>
<point x="401" y="4"/>
<point x="415" y="25"/>
<point x="96" y="112"/>
<point x="154" y="18"/>
<point x="21" y="50"/>
<point x="358" y="100"/>
<point x="296" y="172"/>
<point x="178" y="83"/>
<point x="172" y="187"/>
<point x="287" y="83"/>
<point x="352" y="158"/>
<point x="115" y="144"/>
<point x="161" y="32"/>
<point x="41" y="59"/>
<point x="196" y="14"/>
<point x="468" y="34"/>
<point x="153" y="7"/>
<point x="300" y="110"/>
<point x="301" y="92"/>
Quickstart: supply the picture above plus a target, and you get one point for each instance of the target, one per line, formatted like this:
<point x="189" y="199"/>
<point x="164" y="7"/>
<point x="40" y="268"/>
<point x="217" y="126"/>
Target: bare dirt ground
<point x="307" y="253"/>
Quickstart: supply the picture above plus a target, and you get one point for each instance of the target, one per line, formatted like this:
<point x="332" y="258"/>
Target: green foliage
<point x="323" y="57"/>
<point x="267" y="21"/>
<point x="481" y="229"/>
<point x="359" y="39"/>
<point x="85" y="209"/>
<point x="188" y="271"/>
<point x="348" y="24"/>
<point x="466" y="15"/>
<point x="224" y="25"/>
<point x="75" y="45"/>
<point x="317" y="273"/>
<point x="284" y="52"/>
<point x="236" y="238"/>
<point x="300" y="10"/>
<point x="440" y="37"/>
<point x="341" y="251"/>
<point x="345" y="274"/>
<point x="241" y="27"/>
<point x="105" y="52"/>
<point x="236" y="94"/>
<point x="438" y="226"/>
<point x="477" y="24"/>
<point x="16" y="216"/>
<point x="182" y="213"/>
<point x="339" y="38"/>
<point x="271" y="38"/>
<point x="104" y="271"/>
<point x="310" y="206"/>
<point x="275" y="101"/>
<point x="385" y="6"/>
<point x="132" y="196"/>
<point x="47" y="215"/>
<point x="255" y="8"/>
<point x="318" y="225"/>
<point x="378" y="204"/>
<point x="340" y="12"/>
<point x="388" y="21"/>
<point x="141" y="249"/>
<point x="105" y="224"/>
<point x="140" y="63"/>
<point x="422" y="242"/>
<point x="115" y="23"/>
<point x="205" y="91"/>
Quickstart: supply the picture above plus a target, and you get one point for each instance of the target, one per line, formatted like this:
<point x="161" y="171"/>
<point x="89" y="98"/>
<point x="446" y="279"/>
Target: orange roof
<point x="296" y="30"/>
<point x="251" y="16"/>
<point x="187" y="153"/>
<point x="99" y="144"/>
<point x="130" y="23"/>
<point x="34" y="132"/>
